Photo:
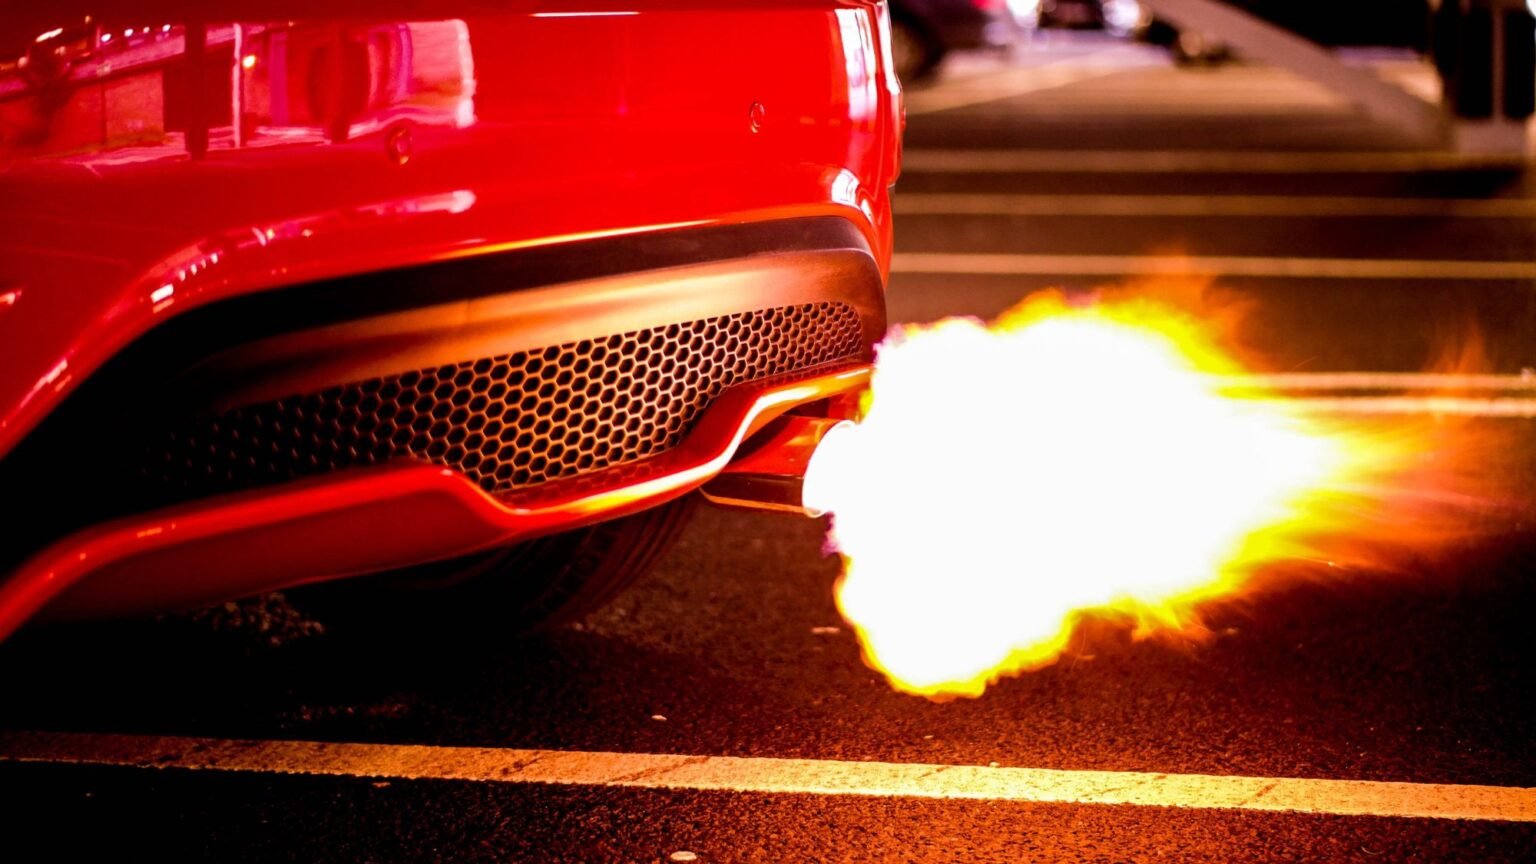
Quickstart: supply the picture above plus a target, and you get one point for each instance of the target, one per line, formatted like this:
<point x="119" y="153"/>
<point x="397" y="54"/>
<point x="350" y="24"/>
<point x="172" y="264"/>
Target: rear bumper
<point x="324" y="494"/>
<point x="364" y="521"/>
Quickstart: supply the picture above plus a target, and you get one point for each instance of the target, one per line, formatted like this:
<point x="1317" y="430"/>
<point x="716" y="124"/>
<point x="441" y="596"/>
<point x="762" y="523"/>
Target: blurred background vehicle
<point x="1079" y="14"/>
<point x="924" y="31"/>
<point x="1117" y="17"/>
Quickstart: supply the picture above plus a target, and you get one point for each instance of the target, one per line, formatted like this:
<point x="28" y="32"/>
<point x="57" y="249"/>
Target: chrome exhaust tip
<point x="772" y="476"/>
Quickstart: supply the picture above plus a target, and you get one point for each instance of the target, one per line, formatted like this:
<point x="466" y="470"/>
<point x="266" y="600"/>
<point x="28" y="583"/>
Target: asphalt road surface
<point x="719" y="711"/>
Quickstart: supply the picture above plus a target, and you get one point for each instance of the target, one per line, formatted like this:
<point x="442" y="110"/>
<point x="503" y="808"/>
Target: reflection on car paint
<point x="155" y="92"/>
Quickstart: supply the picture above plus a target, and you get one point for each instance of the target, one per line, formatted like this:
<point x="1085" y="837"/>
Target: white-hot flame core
<point x="1005" y="478"/>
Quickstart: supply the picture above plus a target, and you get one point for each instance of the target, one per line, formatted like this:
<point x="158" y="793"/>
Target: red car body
<point x="213" y="206"/>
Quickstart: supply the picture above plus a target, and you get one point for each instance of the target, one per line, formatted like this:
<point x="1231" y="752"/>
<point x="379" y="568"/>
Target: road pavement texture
<point x="719" y="710"/>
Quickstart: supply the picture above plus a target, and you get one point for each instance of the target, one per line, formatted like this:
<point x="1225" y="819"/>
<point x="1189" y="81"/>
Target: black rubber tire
<point x="915" y="52"/>
<point x="518" y="589"/>
<point x="1196" y="49"/>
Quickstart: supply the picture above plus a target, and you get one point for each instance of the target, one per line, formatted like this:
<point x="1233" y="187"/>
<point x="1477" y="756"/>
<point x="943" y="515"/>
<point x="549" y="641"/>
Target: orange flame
<point x="1068" y="462"/>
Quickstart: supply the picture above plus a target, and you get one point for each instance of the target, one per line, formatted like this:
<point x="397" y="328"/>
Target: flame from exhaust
<point x="1067" y="462"/>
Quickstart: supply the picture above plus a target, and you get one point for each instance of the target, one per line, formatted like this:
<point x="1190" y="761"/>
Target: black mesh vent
<point x="515" y="420"/>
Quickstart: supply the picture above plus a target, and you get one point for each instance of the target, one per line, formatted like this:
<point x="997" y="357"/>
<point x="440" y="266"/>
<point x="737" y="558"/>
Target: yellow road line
<point x="1003" y="264"/>
<point x="779" y="776"/>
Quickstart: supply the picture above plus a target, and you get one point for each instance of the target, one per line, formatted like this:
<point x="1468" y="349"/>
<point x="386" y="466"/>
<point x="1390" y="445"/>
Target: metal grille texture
<point x="515" y="420"/>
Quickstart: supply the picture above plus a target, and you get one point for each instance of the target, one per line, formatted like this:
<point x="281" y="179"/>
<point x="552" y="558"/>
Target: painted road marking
<point x="1443" y="406"/>
<point x="1441" y="381"/>
<point x="1019" y="80"/>
<point x="780" y="776"/>
<point x="939" y="204"/>
<point x="1005" y="264"/>
<point x="1498" y="396"/>
<point x="1195" y="161"/>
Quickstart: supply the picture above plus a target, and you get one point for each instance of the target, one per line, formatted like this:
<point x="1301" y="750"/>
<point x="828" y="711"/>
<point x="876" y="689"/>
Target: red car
<point x="293" y="295"/>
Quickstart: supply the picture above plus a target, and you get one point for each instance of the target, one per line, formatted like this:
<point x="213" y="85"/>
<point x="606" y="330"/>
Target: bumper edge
<point x="309" y="531"/>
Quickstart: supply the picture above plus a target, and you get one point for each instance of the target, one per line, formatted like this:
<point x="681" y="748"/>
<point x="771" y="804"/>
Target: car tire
<point x="518" y="589"/>
<point x="915" y="54"/>
<point x="1191" y="48"/>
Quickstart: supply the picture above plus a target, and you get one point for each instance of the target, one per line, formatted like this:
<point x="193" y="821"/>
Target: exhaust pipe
<point x="772" y="476"/>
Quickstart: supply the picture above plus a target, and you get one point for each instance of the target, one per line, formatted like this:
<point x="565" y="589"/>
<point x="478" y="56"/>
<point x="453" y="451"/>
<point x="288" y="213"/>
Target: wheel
<point x="914" y="53"/>
<point x="1194" y="48"/>
<point x="541" y="583"/>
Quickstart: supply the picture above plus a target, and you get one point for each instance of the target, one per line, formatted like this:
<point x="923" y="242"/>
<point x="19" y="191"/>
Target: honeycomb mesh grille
<point x="514" y="420"/>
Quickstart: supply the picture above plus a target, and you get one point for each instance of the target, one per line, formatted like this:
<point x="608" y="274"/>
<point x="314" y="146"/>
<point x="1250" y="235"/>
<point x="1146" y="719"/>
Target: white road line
<point x="1499" y="396"/>
<point x="1441" y="382"/>
<point x="946" y="204"/>
<point x="1380" y="381"/>
<point x="1013" y="82"/>
<point x="1193" y="161"/>
<point x="1055" y="106"/>
<point x="1442" y="406"/>
<point x="1002" y="264"/>
<point x="780" y="776"/>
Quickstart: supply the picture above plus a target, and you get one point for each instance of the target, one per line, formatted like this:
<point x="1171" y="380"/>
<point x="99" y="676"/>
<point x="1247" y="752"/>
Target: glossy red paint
<point x="156" y="157"/>
<point x="364" y="144"/>
<point x="363" y="521"/>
